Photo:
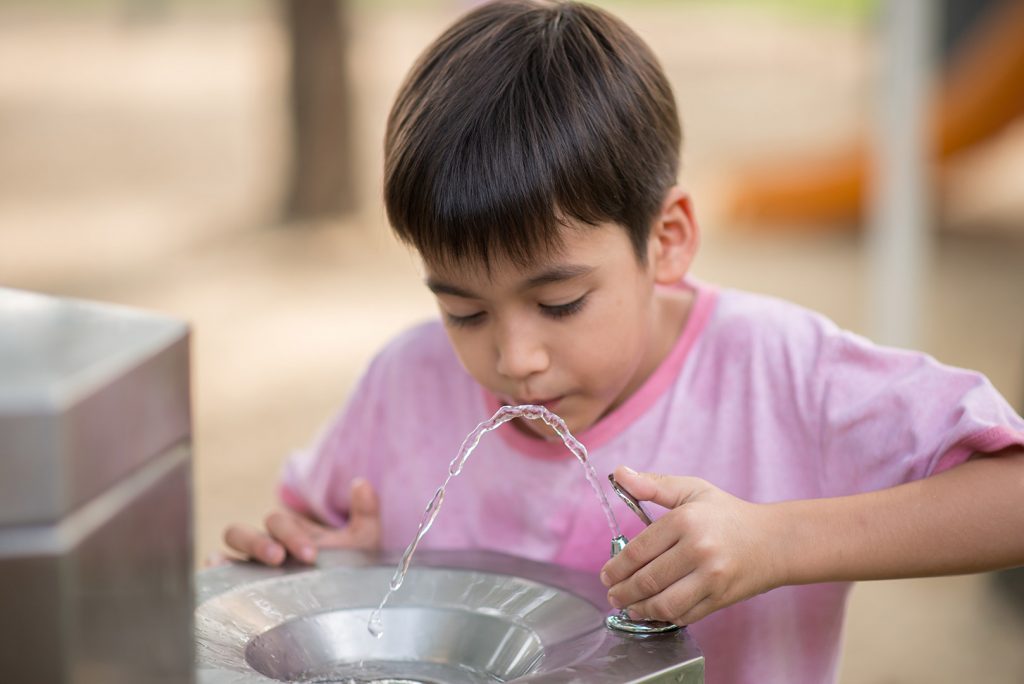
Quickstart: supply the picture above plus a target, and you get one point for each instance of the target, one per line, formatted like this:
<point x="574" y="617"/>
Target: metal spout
<point x="621" y="622"/>
<point x="618" y="543"/>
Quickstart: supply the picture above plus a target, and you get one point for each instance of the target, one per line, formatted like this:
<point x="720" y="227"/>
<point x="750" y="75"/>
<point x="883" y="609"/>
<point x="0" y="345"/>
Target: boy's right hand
<point x="288" y="532"/>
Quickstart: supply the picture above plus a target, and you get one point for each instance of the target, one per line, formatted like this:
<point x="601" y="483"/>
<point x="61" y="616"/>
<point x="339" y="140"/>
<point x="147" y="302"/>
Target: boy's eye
<point x="463" y="321"/>
<point x="550" y="310"/>
<point x="562" y="310"/>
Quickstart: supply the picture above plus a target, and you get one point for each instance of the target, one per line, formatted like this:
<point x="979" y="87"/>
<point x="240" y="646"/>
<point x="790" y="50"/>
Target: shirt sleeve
<point x="890" y="416"/>
<point x="315" y="481"/>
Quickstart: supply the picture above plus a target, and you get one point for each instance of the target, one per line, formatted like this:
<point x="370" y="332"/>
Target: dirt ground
<point x="142" y="158"/>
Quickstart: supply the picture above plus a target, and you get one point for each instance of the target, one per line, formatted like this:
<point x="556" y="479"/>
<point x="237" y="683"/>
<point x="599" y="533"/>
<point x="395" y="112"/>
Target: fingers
<point x="215" y="560"/>
<point x="363" y="529"/>
<point x="643" y="488"/>
<point x="669" y="491"/>
<point x="293" y="533"/>
<point x="641" y="550"/>
<point x="288" y="533"/>
<point x="682" y="604"/>
<point x="666" y="596"/>
<point x="363" y="501"/>
<point x="653" y="578"/>
<point x="702" y="609"/>
<point x="254" y="544"/>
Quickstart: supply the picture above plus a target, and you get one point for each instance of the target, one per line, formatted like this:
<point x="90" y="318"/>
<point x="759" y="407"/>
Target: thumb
<point x="668" y="491"/>
<point x="364" y="514"/>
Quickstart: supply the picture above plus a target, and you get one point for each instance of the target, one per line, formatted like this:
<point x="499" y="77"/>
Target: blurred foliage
<point x="835" y="9"/>
<point x="855" y="10"/>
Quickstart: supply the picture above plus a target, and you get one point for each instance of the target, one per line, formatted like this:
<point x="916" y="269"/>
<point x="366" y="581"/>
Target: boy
<point x="531" y="160"/>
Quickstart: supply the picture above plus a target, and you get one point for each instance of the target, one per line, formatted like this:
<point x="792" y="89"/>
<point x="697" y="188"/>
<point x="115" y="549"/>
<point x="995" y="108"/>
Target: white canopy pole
<point x="899" y="200"/>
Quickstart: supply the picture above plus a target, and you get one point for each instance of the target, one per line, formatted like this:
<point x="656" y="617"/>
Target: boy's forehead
<point x="577" y="248"/>
<point x="497" y="269"/>
<point x="579" y="253"/>
<point x="499" y="266"/>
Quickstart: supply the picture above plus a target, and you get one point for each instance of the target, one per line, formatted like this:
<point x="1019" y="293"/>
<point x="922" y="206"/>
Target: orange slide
<point x="981" y="93"/>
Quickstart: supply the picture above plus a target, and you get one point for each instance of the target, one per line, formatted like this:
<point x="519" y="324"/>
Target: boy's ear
<point x="675" y="237"/>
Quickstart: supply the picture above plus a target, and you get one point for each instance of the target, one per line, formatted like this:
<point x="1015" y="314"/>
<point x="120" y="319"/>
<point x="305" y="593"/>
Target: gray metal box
<point x="95" y="494"/>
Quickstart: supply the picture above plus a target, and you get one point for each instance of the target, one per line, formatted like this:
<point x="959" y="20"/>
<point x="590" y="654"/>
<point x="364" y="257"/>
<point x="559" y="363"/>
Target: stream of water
<point x="503" y="415"/>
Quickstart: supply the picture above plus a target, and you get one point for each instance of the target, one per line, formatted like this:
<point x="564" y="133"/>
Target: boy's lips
<point x="549" y="403"/>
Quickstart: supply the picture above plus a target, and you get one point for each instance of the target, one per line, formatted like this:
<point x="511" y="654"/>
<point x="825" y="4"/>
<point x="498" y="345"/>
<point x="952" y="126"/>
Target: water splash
<point x="502" y="416"/>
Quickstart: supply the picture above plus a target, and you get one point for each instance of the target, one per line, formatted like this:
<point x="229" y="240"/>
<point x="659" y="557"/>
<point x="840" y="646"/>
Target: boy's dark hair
<point x="521" y="115"/>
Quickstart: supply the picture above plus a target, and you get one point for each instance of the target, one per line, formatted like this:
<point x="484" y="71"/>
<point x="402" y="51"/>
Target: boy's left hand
<point x="709" y="551"/>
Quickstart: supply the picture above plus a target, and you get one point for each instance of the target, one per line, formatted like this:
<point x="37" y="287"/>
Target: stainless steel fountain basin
<point x="461" y="616"/>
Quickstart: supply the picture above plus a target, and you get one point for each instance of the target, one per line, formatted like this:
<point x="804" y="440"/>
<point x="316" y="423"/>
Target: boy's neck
<point x="673" y="305"/>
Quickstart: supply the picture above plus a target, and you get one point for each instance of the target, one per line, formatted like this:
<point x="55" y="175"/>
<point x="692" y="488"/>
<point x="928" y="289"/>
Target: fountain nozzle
<point x="621" y="622"/>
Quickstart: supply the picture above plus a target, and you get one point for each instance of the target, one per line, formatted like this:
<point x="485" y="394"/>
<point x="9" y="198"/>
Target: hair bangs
<point x="476" y="197"/>
<point x="524" y="118"/>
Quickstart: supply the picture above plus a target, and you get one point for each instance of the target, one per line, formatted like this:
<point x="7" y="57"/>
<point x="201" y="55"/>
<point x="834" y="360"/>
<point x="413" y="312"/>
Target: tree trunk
<point x="322" y="179"/>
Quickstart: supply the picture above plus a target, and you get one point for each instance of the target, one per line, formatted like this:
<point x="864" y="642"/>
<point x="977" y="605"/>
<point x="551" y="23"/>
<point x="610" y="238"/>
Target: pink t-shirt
<point x="762" y="398"/>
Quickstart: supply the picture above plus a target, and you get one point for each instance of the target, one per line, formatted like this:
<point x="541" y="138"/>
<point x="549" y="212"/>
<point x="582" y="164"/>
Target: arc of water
<point x="503" y="415"/>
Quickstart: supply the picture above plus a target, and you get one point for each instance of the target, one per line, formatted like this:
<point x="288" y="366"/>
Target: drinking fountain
<point x="95" y="494"/>
<point x="460" y="617"/>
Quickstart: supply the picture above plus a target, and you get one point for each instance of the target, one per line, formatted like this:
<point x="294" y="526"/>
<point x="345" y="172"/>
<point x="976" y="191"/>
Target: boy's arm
<point x="967" y="519"/>
<point x="712" y="549"/>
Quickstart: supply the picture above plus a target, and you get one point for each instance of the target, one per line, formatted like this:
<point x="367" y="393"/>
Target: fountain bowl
<point x="461" y="617"/>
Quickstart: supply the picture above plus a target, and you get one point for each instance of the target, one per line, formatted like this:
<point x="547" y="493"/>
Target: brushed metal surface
<point x="109" y="599"/>
<point x="460" y="616"/>
<point x="88" y="393"/>
<point x="96" y="581"/>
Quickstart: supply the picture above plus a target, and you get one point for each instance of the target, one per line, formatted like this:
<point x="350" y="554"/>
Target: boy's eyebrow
<point x="440" y="287"/>
<point x="552" y="275"/>
<point x="556" y="274"/>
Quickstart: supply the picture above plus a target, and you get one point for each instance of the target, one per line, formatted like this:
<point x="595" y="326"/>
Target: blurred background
<point x="220" y="161"/>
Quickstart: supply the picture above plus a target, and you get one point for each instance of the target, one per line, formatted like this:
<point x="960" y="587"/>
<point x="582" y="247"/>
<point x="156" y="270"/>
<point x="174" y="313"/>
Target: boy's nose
<point x="520" y="356"/>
